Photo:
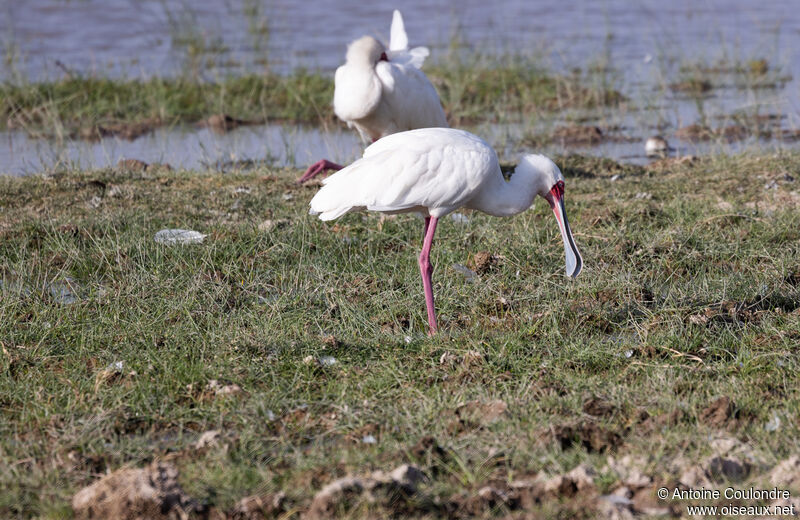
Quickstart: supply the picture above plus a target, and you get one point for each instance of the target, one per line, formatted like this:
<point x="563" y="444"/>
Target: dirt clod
<point x="132" y="165"/>
<point x="590" y="435"/>
<point x="393" y="490"/>
<point x="598" y="407"/>
<point x="136" y="494"/>
<point x="787" y="473"/>
<point x="728" y="469"/>
<point x="429" y="453"/>
<point x="718" y="412"/>
<point x="136" y="165"/>
<point x="580" y="479"/>
<point x="208" y="439"/>
<point x="483" y="262"/>
<point x="645" y="502"/>
<point x="476" y="414"/>
<point x="576" y="134"/>
<point x="221" y="122"/>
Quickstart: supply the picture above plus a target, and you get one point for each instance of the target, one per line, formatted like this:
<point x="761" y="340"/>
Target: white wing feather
<point x="431" y="170"/>
<point x="398" y="45"/>
<point x="409" y="97"/>
<point x="399" y="39"/>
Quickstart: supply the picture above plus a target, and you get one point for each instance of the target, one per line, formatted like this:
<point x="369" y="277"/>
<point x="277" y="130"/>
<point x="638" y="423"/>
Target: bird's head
<point x="549" y="183"/>
<point x="366" y="50"/>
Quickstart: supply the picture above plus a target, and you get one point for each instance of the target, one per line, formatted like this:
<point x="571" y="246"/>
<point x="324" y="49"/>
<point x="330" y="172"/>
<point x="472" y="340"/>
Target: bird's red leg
<point x="426" y="269"/>
<point x="317" y="168"/>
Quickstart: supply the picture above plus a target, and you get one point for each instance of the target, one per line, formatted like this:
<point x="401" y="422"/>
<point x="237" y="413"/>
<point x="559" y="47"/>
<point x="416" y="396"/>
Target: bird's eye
<point x="384" y="57"/>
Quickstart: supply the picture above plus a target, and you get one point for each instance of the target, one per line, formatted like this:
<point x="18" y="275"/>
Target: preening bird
<point x="435" y="171"/>
<point x="381" y="92"/>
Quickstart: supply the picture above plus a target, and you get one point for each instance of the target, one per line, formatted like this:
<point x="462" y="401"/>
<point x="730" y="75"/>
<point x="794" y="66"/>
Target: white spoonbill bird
<point x="381" y="92"/>
<point x="435" y="171"/>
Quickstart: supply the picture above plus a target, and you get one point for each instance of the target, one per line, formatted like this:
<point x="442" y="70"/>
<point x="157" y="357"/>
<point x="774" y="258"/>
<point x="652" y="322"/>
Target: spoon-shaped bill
<point x="574" y="261"/>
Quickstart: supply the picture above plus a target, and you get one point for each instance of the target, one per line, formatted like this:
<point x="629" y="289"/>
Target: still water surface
<point x="641" y="44"/>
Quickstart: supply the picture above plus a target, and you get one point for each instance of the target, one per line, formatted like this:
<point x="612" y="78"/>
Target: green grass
<point x="471" y="90"/>
<point x="690" y="292"/>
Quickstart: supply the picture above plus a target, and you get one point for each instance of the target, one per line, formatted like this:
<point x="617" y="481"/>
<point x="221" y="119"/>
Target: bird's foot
<point x="317" y="168"/>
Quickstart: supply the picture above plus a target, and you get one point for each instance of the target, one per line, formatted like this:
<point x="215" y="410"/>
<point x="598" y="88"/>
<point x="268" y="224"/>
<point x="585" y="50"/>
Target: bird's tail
<point x="337" y="196"/>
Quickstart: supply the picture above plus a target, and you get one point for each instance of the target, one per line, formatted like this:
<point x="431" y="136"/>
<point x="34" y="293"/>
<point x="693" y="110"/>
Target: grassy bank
<point x="690" y="294"/>
<point x="471" y="90"/>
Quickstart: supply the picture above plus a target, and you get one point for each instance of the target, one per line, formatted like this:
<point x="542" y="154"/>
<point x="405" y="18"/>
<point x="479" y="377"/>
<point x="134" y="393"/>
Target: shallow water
<point x="641" y="46"/>
<point x="185" y="148"/>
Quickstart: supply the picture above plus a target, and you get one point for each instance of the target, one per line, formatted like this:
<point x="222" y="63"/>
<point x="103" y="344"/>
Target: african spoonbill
<point x="435" y="171"/>
<point x="381" y="92"/>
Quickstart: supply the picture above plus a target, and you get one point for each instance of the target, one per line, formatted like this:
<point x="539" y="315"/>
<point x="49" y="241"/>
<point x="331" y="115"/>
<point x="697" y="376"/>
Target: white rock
<point x="327" y="361"/>
<point x="178" y="236"/>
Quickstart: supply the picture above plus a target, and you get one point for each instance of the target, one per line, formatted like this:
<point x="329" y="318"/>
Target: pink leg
<point x="317" y="168"/>
<point x="426" y="269"/>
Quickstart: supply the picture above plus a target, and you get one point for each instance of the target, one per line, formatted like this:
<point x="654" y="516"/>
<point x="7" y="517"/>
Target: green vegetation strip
<point x="691" y="293"/>
<point x="469" y="93"/>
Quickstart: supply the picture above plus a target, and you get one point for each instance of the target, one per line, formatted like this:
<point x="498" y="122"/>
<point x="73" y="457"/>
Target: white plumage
<point x="435" y="171"/>
<point x="382" y="91"/>
<point x="431" y="171"/>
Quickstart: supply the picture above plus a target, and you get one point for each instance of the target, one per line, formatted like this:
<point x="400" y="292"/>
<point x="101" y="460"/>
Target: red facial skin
<point x="556" y="194"/>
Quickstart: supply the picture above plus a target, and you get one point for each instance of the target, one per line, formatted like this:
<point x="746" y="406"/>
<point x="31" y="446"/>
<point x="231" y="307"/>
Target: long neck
<point x="503" y="198"/>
